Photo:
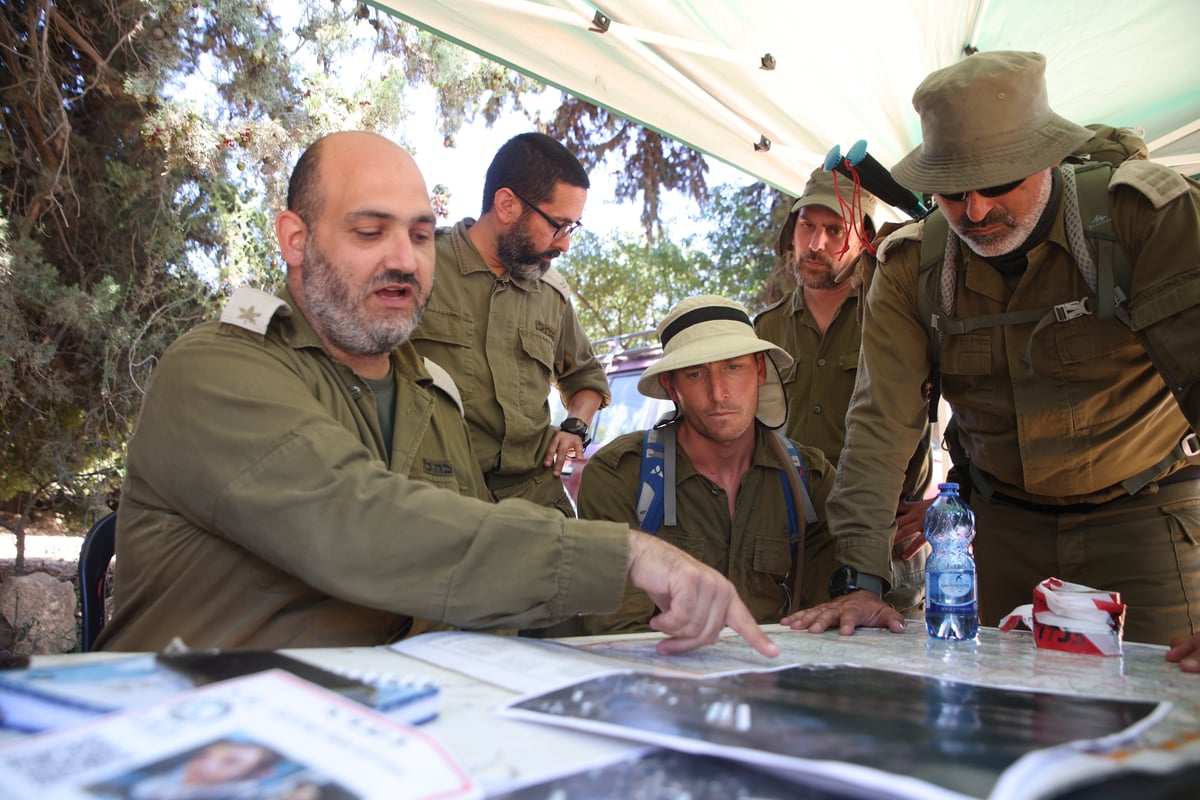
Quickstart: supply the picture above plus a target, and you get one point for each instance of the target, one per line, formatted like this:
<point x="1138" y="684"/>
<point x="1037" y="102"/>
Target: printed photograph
<point x="229" y="768"/>
<point x="956" y="735"/>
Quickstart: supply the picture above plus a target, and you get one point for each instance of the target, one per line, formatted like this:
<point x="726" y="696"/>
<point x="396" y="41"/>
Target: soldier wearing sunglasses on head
<point x="502" y="324"/>
<point x="1078" y="454"/>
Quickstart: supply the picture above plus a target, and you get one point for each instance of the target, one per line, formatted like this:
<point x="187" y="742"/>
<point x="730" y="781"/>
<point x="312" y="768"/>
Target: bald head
<point x="330" y="158"/>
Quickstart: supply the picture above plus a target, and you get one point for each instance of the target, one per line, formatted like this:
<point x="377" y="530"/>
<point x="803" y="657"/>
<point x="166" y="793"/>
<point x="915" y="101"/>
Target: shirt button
<point x="817" y="409"/>
<point x="820" y="362"/>
<point x="355" y="392"/>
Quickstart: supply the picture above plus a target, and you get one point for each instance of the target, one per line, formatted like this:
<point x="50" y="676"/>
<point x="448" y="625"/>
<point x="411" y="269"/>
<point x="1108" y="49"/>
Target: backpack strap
<point x="653" y="486"/>
<point x="1188" y="449"/>
<point x="795" y="494"/>
<point x="934" y="240"/>
<point x="1093" y="238"/>
<point x="795" y="483"/>
<point x="656" y="504"/>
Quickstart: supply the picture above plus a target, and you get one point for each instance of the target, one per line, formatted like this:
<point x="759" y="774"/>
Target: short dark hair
<point x="532" y="164"/>
<point x="304" y="193"/>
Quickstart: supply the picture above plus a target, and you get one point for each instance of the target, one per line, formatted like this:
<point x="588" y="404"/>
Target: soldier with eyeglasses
<point x="501" y="321"/>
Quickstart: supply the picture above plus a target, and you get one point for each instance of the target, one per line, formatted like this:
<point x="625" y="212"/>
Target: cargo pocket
<point x="1185" y="520"/>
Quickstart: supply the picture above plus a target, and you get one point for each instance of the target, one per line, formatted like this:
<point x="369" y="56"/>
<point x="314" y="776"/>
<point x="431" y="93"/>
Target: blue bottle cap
<point x="944" y="486"/>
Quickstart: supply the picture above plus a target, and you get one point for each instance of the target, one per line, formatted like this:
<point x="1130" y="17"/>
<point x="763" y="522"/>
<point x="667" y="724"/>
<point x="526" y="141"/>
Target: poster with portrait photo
<point x="268" y="736"/>
<point x="229" y="767"/>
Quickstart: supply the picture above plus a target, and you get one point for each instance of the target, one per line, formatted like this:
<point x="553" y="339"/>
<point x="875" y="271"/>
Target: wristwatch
<point x="578" y="427"/>
<point x="847" y="579"/>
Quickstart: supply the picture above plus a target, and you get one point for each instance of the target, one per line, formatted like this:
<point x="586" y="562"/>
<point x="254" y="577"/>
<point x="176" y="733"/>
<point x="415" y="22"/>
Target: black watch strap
<point x="578" y="427"/>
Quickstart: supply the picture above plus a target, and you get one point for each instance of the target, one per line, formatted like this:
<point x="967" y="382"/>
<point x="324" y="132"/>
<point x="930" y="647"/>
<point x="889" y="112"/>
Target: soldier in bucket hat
<point x="723" y="463"/>
<point x="818" y="325"/>
<point x="1080" y="460"/>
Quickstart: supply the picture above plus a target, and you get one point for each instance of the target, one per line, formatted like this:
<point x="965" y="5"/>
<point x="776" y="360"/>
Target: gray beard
<point x="1018" y="232"/>
<point x="520" y="260"/>
<point x="328" y="299"/>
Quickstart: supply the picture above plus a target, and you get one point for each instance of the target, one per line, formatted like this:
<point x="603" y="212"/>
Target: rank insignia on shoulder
<point x="252" y="309"/>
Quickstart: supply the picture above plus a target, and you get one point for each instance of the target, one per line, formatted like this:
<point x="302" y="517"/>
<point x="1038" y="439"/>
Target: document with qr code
<point x="269" y="735"/>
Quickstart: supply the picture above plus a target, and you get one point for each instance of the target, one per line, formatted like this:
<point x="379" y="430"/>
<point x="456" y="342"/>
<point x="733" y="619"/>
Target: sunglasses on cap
<point x="987" y="191"/>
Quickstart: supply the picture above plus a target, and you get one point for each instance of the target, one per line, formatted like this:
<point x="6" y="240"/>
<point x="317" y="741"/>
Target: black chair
<point x="94" y="558"/>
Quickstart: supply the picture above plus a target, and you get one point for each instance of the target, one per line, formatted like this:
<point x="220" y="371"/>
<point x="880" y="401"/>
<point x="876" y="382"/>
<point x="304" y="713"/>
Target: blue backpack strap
<point x="795" y="483"/>
<point x="652" y="480"/>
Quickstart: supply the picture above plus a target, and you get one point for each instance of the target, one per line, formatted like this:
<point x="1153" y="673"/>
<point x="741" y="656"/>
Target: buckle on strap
<point x="1190" y="445"/>
<point x="1072" y="309"/>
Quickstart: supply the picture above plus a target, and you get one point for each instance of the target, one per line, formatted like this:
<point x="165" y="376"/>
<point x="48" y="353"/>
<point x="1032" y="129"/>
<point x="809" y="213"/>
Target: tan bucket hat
<point x="708" y="328"/>
<point x="820" y="191"/>
<point x="986" y="121"/>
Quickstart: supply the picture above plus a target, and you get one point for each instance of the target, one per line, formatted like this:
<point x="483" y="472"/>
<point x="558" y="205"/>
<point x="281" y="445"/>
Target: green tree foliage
<point x="650" y="163"/>
<point x="624" y="284"/>
<point x="95" y="232"/>
<point x="144" y="149"/>
<point x="746" y="221"/>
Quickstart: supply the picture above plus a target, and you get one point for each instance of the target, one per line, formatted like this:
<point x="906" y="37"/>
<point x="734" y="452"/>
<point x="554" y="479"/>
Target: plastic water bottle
<point x="951" y="611"/>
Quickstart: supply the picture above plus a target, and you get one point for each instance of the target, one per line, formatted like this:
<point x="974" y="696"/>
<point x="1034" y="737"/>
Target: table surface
<point x="499" y="751"/>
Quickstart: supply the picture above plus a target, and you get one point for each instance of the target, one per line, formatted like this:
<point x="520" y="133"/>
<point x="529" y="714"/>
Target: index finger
<point x="742" y="621"/>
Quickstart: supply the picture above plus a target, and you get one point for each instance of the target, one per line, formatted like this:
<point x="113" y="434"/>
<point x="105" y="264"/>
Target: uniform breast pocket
<point x="445" y="337"/>
<point x="772" y="557"/>
<point x="692" y="545"/>
<point x="1086" y="339"/>
<point x="446" y="327"/>
<point x="967" y="354"/>
<point x="538" y="347"/>
<point x="1098" y="362"/>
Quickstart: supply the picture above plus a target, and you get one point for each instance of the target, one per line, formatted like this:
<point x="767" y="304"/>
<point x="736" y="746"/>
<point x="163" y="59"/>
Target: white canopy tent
<point x="769" y="86"/>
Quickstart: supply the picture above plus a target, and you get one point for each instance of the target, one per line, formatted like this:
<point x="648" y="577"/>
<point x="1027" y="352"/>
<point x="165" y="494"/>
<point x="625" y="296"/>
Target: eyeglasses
<point x="561" y="229"/>
<point x="988" y="191"/>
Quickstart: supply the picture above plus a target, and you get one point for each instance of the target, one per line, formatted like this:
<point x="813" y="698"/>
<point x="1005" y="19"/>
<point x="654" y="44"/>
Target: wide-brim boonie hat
<point x="712" y="328"/>
<point x="986" y="121"/>
<point x="821" y="191"/>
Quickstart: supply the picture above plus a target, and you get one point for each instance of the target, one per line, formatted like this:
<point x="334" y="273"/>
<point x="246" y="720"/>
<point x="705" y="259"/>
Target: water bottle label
<point x="967" y="609"/>
<point x="955" y="587"/>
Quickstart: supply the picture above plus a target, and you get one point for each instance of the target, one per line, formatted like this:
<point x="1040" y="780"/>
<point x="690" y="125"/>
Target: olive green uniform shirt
<point x="821" y="379"/>
<point x="262" y="508"/>
<point x="1093" y="412"/>
<point x="752" y="549"/>
<point x="819" y="384"/>
<point x="505" y="341"/>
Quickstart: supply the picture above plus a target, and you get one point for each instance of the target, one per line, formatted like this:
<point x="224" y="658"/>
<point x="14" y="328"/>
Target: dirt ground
<point x="50" y="547"/>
